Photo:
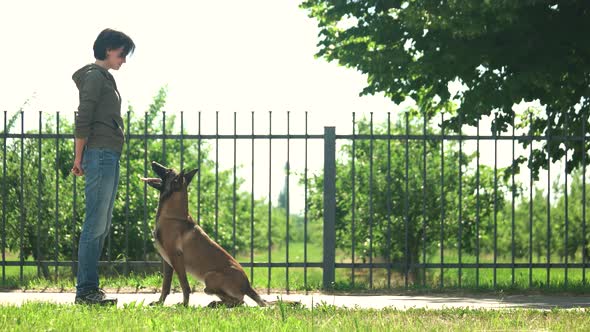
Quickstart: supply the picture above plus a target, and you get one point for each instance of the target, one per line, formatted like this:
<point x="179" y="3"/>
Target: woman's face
<point x="115" y="58"/>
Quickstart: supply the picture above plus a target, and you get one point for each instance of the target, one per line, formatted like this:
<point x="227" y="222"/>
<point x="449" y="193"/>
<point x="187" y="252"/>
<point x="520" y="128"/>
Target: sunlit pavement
<point x="351" y="301"/>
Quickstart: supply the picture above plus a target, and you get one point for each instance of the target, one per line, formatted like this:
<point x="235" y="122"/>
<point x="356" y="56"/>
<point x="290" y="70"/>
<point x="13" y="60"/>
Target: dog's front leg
<point x="166" y="282"/>
<point x="178" y="265"/>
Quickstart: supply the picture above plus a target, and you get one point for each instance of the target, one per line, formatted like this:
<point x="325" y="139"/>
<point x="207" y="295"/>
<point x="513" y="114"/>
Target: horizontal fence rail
<point x="399" y="204"/>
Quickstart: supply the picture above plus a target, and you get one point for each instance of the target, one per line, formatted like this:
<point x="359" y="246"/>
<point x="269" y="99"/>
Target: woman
<point x="98" y="144"/>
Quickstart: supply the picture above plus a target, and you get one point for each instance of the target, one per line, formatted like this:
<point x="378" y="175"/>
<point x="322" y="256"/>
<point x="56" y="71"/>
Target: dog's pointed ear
<point x="188" y="177"/>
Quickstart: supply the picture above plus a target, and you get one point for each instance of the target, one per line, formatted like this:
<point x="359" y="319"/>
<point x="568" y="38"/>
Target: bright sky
<point x="230" y="56"/>
<point x="214" y="56"/>
<point x="226" y="56"/>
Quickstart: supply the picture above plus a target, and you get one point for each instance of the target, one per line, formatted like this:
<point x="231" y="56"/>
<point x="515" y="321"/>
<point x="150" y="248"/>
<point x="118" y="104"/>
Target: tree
<point x="575" y="219"/>
<point x="47" y="221"/>
<point x="502" y="52"/>
<point x="58" y="222"/>
<point x="531" y="218"/>
<point x="282" y="200"/>
<point x="380" y="202"/>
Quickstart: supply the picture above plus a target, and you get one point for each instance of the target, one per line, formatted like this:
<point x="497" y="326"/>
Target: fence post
<point x="329" y="207"/>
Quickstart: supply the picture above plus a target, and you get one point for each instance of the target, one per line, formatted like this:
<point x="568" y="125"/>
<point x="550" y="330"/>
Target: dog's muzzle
<point x="159" y="169"/>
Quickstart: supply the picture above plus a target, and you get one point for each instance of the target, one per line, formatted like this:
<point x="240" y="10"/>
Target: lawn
<point x="323" y="317"/>
<point x="136" y="316"/>
<point x="297" y="282"/>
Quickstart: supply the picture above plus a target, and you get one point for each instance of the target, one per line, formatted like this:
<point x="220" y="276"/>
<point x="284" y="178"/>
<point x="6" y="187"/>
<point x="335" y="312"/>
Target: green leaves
<point x="529" y="50"/>
<point x="384" y="210"/>
<point x="52" y="216"/>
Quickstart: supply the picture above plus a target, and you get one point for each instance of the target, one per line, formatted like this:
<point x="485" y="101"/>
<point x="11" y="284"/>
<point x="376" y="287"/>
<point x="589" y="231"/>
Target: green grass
<point x="470" y="280"/>
<point x="278" y="280"/>
<point x="153" y="281"/>
<point x="34" y="316"/>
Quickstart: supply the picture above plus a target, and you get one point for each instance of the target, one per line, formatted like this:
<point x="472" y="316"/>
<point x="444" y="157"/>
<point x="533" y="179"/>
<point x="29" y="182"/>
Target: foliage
<point x="52" y="199"/>
<point x="500" y="52"/>
<point x="435" y="216"/>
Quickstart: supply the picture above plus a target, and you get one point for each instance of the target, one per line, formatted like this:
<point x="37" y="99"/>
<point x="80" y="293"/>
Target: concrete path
<point x="364" y="301"/>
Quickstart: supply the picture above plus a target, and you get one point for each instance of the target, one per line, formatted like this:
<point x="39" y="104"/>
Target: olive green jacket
<point x="99" y="114"/>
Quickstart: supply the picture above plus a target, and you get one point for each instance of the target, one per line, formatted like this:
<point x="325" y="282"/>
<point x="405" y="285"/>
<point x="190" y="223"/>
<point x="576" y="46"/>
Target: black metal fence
<point x="351" y="210"/>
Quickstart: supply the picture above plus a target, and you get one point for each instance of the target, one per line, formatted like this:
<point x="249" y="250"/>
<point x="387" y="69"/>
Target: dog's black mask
<point x="169" y="180"/>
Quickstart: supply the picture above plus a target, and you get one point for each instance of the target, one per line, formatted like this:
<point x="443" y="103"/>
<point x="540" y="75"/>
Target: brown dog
<point x="185" y="248"/>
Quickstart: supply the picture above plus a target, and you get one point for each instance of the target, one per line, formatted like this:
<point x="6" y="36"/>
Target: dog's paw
<point x="156" y="303"/>
<point x="216" y="304"/>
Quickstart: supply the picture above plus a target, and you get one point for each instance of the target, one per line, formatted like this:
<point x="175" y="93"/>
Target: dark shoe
<point x="95" y="297"/>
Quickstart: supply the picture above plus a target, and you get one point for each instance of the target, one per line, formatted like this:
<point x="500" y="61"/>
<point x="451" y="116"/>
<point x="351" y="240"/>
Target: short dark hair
<point x="109" y="39"/>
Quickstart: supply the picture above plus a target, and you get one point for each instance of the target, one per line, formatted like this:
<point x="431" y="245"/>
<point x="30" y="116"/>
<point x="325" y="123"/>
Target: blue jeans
<point x="101" y="172"/>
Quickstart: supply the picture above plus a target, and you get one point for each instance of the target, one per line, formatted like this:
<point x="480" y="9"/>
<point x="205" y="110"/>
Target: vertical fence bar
<point x="442" y="199"/>
<point x="305" y="206"/>
<point x="287" y="201"/>
<point x="530" y="205"/>
<point x="584" y="119"/>
<point x="406" y="204"/>
<point x="389" y="199"/>
<point x="495" y="199"/>
<point x="57" y="196"/>
<point x="513" y="207"/>
<point x="460" y="244"/>
<point x="127" y="188"/>
<point x="109" y="239"/>
<point x="477" y="211"/>
<point x="145" y="161"/>
<point x="269" y="199"/>
<point x="216" y="175"/>
<point x="353" y="207"/>
<point x="548" y="201"/>
<point x="252" y="209"/>
<point x="371" y="205"/>
<point x="22" y="196"/>
<point x="234" y="191"/>
<point x="182" y="140"/>
<point x="4" y="202"/>
<point x="164" y="138"/>
<point x="566" y="204"/>
<point x="40" y="193"/>
<point x="74" y="202"/>
<point x="329" y="207"/>
<point x="424" y="201"/>
<point x="199" y="174"/>
<point x="164" y="161"/>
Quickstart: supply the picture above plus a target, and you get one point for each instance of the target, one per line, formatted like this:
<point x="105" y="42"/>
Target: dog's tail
<point x="254" y="296"/>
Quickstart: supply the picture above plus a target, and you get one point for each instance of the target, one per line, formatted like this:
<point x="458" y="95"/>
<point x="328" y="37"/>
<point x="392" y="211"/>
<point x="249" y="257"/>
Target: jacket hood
<point x="78" y="76"/>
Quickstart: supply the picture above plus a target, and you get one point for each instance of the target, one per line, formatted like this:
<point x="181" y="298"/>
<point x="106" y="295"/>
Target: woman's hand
<point x="77" y="168"/>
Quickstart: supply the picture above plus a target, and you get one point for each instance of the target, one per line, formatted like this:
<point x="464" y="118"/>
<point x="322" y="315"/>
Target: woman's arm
<point x="77" y="168"/>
